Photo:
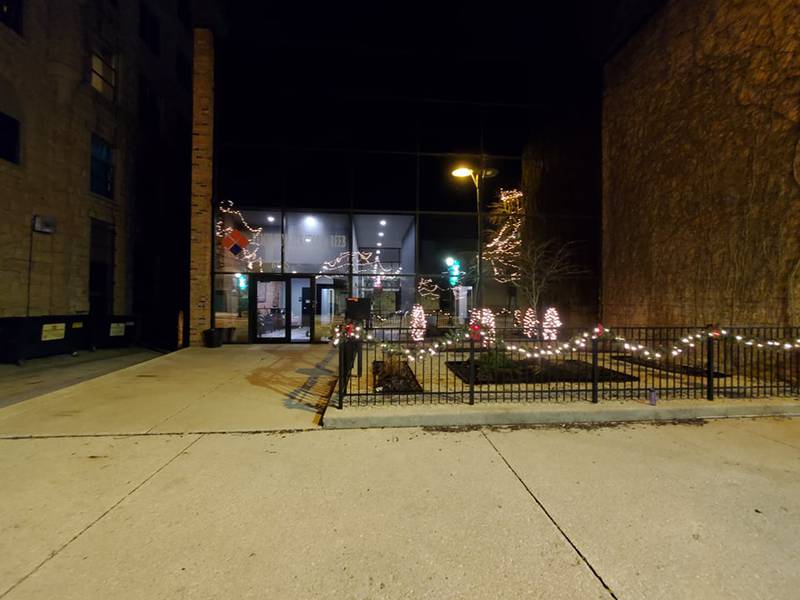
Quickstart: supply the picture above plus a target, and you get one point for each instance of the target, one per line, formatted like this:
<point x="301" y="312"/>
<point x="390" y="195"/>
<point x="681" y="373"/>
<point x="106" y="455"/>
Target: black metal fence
<point x="385" y="365"/>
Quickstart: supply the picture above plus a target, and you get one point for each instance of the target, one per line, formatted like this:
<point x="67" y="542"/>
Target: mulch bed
<point x="538" y="371"/>
<point x="670" y="368"/>
<point x="404" y="383"/>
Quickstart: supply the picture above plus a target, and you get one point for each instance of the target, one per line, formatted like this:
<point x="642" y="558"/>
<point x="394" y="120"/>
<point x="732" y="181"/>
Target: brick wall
<point x="701" y="167"/>
<point x="44" y="72"/>
<point x="202" y="185"/>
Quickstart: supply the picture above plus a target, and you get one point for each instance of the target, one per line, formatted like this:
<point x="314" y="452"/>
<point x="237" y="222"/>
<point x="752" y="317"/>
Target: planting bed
<point x="537" y="371"/>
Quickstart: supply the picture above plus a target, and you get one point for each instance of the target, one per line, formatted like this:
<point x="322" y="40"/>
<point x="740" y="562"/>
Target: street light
<point x="477" y="179"/>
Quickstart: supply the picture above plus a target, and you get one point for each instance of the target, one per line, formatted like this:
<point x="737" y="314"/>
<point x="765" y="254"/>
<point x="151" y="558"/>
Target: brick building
<point x="95" y="122"/>
<point x="701" y="167"/>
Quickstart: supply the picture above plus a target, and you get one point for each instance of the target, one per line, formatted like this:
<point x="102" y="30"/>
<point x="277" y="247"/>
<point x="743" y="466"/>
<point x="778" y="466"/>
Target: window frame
<point x="109" y="165"/>
<point x="110" y="60"/>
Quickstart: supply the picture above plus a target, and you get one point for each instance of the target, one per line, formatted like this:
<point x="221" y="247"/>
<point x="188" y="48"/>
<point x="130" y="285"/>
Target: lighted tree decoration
<point x="530" y="323"/>
<point x="551" y="324"/>
<point x="518" y="254"/>
<point x="484" y="318"/>
<point x="418" y="323"/>
<point x="502" y="252"/>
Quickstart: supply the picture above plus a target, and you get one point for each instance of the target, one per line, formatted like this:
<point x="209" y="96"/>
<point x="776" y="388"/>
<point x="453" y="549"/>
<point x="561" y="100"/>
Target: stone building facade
<point x="89" y="89"/>
<point x="701" y="167"/>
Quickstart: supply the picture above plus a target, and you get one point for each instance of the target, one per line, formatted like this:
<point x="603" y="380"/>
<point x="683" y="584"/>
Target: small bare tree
<point x="519" y="256"/>
<point x="540" y="264"/>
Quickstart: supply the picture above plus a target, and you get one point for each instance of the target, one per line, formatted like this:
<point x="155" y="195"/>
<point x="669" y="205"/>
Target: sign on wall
<point x="53" y="331"/>
<point x="116" y="330"/>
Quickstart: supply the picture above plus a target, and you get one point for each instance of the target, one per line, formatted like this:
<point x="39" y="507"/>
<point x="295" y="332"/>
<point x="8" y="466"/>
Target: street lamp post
<point x="477" y="178"/>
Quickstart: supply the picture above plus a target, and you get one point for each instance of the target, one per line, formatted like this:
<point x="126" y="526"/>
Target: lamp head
<point x="462" y="172"/>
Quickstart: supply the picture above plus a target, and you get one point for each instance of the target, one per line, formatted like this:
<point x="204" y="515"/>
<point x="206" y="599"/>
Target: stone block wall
<point x="701" y="167"/>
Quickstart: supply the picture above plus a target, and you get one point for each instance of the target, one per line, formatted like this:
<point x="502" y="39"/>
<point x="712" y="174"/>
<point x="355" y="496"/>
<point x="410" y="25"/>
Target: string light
<point x="530" y="323"/>
<point x="250" y="252"/>
<point x="503" y="251"/>
<point x="418" y="323"/>
<point x="484" y="319"/>
<point x="550" y="324"/>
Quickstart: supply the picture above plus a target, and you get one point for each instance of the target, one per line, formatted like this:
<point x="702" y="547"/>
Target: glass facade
<point x="283" y="275"/>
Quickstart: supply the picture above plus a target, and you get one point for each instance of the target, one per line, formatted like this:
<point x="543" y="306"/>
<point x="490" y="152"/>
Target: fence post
<point x="342" y="382"/>
<point x="471" y="370"/>
<point x="710" y="368"/>
<point x="360" y="359"/>
<point x="595" y="370"/>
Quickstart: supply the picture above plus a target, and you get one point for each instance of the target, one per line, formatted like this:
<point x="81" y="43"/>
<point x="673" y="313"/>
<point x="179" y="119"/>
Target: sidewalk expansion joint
<point x="550" y="517"/>
<point x="56" y="552"/>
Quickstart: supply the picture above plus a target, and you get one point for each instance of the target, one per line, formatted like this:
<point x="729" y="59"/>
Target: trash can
<point x="212" y="338"/>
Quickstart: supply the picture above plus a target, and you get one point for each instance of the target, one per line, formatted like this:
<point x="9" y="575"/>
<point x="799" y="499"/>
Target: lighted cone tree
<point x="530" y="323"/>
<point x="551" y="324"/>
<point x="418" y="323"/>
<point x="484" y="318"/>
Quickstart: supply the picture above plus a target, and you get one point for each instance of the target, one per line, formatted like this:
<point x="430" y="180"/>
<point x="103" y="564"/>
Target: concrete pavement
<point x="232" y="388"/>
<point x="42" y="375"/>
<point x="637" y="511"/>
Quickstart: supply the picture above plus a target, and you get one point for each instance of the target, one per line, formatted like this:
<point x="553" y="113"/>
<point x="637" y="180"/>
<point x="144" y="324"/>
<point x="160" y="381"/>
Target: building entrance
<point x="284" y="309"/>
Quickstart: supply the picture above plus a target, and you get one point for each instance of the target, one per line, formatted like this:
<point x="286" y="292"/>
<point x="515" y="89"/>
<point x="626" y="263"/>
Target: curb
<point x="448" y="416"/>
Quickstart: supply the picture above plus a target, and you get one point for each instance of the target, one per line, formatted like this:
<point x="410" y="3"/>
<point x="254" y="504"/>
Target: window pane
<point x="385" y="243"/>
<point x="102" y="167"/>
<point x="9" y="138"/>
<point x="312" y="239"/>
<point x="443" y="236"/>
<point x="11" y="14"/>
<point x="332" y="293"/>
<point x="231" y="304"/>
<point x="248" y="240"/>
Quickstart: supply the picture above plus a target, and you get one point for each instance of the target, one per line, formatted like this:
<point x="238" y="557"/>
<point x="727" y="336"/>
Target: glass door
<point x="270" y="318"/>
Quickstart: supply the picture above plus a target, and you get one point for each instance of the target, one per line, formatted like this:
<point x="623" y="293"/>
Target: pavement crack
<point x="56" y="552"/>
<point x="549" y="516"/>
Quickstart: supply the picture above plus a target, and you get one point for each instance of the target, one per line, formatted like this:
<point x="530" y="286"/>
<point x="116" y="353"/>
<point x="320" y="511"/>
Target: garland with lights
<point x="454" y="339"/>
<point x="242" y="247"/>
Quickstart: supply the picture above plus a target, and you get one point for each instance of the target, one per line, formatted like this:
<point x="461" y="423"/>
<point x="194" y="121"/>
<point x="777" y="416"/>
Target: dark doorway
<point x="101" y="269"/>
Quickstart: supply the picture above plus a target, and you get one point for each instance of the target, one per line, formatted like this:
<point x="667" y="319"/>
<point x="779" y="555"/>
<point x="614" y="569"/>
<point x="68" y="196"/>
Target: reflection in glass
<point x="231" y="305"/>
<point x="314" y="239"/>
<point x="332" y="293"/>
<point x="271" y="309"/>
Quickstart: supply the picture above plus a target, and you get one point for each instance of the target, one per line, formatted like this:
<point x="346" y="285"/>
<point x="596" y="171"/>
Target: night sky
<point x="329" y="106"/>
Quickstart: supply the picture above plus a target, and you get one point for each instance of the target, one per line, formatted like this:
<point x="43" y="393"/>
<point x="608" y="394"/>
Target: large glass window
<point x="448" y="236"/>
<point x="316" y="241"/>
<point x="332" y="293"/>
<point x="248" y="240"/>
<point x="231" y="305"/>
